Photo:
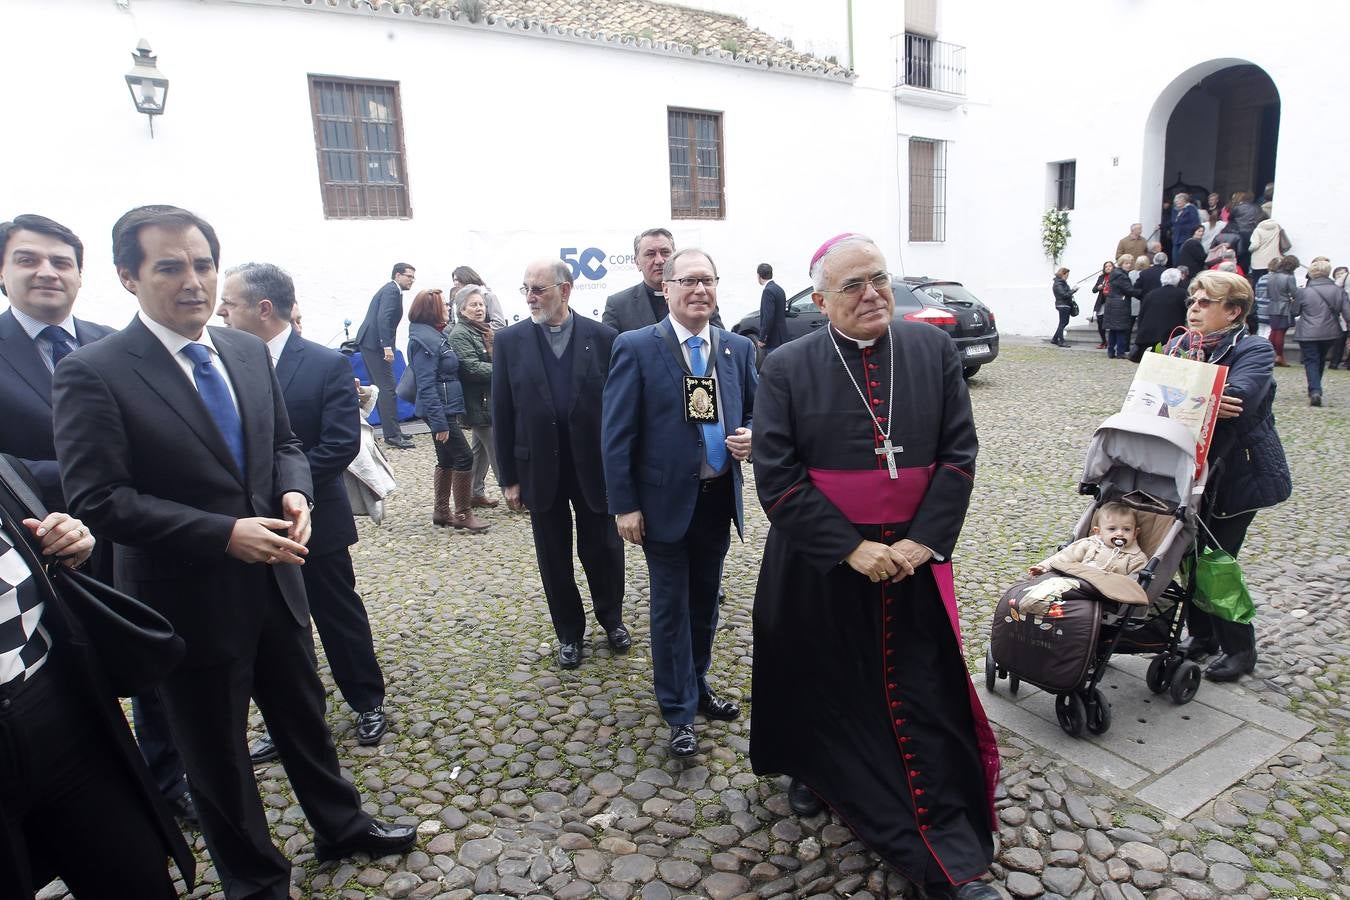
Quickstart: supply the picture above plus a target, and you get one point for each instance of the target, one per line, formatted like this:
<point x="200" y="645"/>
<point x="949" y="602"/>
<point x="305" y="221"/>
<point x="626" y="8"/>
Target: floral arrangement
<point x="1055" y="232"/>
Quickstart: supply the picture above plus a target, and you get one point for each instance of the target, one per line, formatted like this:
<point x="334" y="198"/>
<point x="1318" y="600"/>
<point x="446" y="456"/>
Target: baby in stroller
<point x="1113" y="545"/>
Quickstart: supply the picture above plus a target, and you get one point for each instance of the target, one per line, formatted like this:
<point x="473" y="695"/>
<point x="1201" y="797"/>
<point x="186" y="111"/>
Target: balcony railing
<point x="932" y="65"/>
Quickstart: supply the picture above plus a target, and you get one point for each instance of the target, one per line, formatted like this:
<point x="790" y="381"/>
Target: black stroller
<point x="1148" y="464"/>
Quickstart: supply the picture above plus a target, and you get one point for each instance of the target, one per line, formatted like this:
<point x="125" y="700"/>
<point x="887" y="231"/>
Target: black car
<point x="946" y="304"/>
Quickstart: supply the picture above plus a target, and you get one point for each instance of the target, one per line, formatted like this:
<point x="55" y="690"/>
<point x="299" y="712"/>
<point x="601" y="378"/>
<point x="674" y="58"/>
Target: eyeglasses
<point x="693" y="281"/>
<point x="855" y="288"/>
<point x="1202" y="302"/>
<point x="537" y="290"/>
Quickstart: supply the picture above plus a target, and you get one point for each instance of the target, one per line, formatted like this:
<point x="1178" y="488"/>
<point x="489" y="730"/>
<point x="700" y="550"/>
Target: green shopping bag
<point x="1220" y="589"/>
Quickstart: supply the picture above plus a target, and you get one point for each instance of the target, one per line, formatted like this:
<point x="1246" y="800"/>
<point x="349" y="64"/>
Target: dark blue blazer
<point x="320" y="396"/>
<point x="26" y="398"/>
<point x="773" y="316"/>
<point x="380" y="325"/>
<point x="652" y="455"/>
<point x="523" y="420"/>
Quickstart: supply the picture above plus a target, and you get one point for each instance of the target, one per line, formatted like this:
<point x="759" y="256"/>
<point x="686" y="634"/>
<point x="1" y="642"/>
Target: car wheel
<point x="969" y="372"/>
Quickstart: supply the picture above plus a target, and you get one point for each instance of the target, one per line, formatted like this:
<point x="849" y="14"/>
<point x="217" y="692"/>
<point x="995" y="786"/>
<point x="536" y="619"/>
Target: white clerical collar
<point x="683" y="334"/>
<point x="172" y="340"/>
<point x="561" y="326"/>
<point x="278" y="344"/>
<point x="862" y="345"/>
<point x="33" y="327"/>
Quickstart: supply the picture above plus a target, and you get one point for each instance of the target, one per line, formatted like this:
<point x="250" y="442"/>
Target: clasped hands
<point x="888" y="562"/>
<point x="63" y="537"/>
<point x="256" y="539"/>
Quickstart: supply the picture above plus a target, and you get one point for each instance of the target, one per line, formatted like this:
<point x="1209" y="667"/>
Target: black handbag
<point x="134" y="646"/>
<point x="1073" y="308"/>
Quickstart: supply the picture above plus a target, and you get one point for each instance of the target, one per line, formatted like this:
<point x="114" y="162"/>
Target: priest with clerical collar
<point x="864" y="461"/>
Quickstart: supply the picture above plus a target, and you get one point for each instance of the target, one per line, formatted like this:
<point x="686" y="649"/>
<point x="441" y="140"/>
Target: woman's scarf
<point x="1210" y="341"/>
<point x="484" y="331"/>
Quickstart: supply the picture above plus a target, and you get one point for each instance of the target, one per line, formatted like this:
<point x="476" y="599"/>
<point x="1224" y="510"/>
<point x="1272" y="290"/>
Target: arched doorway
<point x="1214" y="128"/>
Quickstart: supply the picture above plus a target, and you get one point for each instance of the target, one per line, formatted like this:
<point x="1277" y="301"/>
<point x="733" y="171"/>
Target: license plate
<point x="977" y="349"/>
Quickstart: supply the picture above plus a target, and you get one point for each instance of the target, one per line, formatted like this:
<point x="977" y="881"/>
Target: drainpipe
<point x="850" y="33"/>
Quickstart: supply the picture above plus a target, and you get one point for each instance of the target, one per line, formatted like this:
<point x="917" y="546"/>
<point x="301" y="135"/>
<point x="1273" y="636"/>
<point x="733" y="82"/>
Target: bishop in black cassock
<point x="860" y="688"/>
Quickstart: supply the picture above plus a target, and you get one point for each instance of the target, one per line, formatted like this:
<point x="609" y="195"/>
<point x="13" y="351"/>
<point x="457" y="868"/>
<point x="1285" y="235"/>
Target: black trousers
<point x="1063" y="323"/>
<point x="382" y="376"/>
<point x="1228" y="534"/>
<point x="344" y="628"/>
<point x="68" y="805"/>
<point x="685" y="577"/>
<point x="453" y="453"/>
<point x="208" y="709"/>
<point x="601" y="552"/>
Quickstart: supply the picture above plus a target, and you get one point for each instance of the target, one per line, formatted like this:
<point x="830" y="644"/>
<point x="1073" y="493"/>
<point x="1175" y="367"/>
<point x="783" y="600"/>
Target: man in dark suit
<point x="548" y="375"/>
<point x="772" y="311"/>
<point x="320" y="396"/>
<point x="174" y="443"/>
<point x="41" y="264"/>
<point x="677" y="415"/>
<point x="376" y="338"/>
<point x="78" y="801"/>
<point x="644" y="303"/>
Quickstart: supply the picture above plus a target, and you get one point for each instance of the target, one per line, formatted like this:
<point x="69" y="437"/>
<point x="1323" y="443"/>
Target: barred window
<point x="1065" y="173"/>
<point x="696" y="185"/>
<point x="358" y="133"/>
<point x="927" y="190"/>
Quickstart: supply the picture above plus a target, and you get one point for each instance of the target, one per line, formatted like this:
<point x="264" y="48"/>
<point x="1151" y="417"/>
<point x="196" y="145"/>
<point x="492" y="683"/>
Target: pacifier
<point x="1118" y="542"/>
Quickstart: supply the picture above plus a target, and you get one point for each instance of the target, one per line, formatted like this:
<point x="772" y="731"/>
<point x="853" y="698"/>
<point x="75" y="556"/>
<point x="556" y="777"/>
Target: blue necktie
<point x="216" y="395"/>
<point x="714" y="435"/>
<point x="60" y="340"/>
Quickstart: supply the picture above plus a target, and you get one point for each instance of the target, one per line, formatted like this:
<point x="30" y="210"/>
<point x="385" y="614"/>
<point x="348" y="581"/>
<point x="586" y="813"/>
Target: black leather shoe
<point x="1195" y="648"/>
<point x="378" y="840"/>
<point x="185" y="811"/>
<point x="974" y="890"/>
<point x="803" y="800"/>
<point x="714" y="707"/>
<point x="569" y="655"/>
<point x="1231" y="666"/>
<point x="262" y="750"/>
<point x="371" y="726"/>
<point x="683" y="741"/>
<point x="619" y="639"/>
<point x="403" y="442"/>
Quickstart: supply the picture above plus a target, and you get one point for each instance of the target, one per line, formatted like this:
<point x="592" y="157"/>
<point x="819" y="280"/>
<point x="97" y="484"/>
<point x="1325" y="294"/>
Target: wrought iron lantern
<point x="149" y="88"/>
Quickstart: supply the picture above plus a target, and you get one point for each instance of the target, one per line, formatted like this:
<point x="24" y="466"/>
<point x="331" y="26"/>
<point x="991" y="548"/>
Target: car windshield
<point x="945" y="293"/>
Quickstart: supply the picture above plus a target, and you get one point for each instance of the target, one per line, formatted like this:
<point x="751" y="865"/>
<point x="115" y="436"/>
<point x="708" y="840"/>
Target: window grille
<point x="927" y="190"/>
<point x="696" y="169"/>
<point x="358" y="134"/>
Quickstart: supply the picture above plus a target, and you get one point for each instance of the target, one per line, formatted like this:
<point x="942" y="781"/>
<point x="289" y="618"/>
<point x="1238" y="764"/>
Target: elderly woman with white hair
<point x="1160" y="312"/>
<point x="471" y="339"/>
<point x="1319" y="308"/>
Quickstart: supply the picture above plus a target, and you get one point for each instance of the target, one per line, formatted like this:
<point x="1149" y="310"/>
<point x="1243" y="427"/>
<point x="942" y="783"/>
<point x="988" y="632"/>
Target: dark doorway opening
<point x="1223" y="135"/>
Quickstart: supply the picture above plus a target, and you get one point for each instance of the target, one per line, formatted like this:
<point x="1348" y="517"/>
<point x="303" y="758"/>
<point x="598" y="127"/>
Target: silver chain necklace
<point x="886" y="449"/>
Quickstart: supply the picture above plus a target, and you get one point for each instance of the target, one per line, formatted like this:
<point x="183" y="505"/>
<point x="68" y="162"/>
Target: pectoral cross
<point x="888" y="450"/>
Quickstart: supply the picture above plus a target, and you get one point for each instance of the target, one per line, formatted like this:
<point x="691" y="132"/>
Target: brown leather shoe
<point x="481" y="502"/>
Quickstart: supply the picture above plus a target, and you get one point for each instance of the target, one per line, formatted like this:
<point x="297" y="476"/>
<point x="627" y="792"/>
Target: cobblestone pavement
<point x="526" y="781"/>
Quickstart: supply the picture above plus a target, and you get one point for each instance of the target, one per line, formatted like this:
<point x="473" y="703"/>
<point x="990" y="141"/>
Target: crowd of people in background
<point x="1141" y="292"/>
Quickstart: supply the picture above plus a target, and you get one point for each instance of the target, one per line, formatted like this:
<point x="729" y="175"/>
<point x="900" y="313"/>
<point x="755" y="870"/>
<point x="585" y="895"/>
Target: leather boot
<point x="440" y="508"/>
<point x="461" y="487"/>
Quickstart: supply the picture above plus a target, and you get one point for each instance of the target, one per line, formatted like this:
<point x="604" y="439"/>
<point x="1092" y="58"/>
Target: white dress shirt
<point x="34" y="328"/>
<point x="175" y="342"/>
<point x="278" y="344"/>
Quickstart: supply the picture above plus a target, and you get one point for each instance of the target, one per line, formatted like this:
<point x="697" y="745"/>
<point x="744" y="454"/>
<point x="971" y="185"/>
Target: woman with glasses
<point x="1247" y="466"/>
<point x="440" y="398"/>
<point x="471" y="339"/>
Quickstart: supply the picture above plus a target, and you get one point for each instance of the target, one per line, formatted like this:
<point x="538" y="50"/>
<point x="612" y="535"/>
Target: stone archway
<point x="1215" y="127"/>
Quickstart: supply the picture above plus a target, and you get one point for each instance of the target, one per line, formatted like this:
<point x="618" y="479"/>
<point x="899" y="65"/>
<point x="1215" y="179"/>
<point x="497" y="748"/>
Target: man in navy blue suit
<point x="376" y="338"/>
<point x="320" y="395"/>
<point x="772" y="311"/>
<point x="41" y="264"/>
<point x="548" y="374"/>
<point x="677" y="415"/>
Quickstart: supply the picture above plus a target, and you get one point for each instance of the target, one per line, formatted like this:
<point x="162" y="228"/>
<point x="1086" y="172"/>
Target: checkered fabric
<point x="23" y="641"/>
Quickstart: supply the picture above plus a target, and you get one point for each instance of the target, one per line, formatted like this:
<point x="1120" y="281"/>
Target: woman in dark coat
<point x="1116" y="311"/>
<point x="1192" y="253"/>
<point x="1103" y="290"/>
<point x="440" y="398"/>
<point x="1160" y="312"/>
<point x="471" y="339"/>
<point x="1063" y="304"/>
<point x="1248" y="469"/>
<point x="1281" y="292"/>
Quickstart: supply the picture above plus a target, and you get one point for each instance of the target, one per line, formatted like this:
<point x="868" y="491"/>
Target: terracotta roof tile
<point x="659" y="27"/>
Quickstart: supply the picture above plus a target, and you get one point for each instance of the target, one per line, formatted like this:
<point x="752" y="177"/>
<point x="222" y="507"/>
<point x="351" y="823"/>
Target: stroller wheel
<point x="1071" y="713"/>
<point x="1013" y="683"/>
<point x="1157" y="673"/>
<point x="1185" y="682"/>
<point x="990" y="669"/>
<point x="1098" y="712"/>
